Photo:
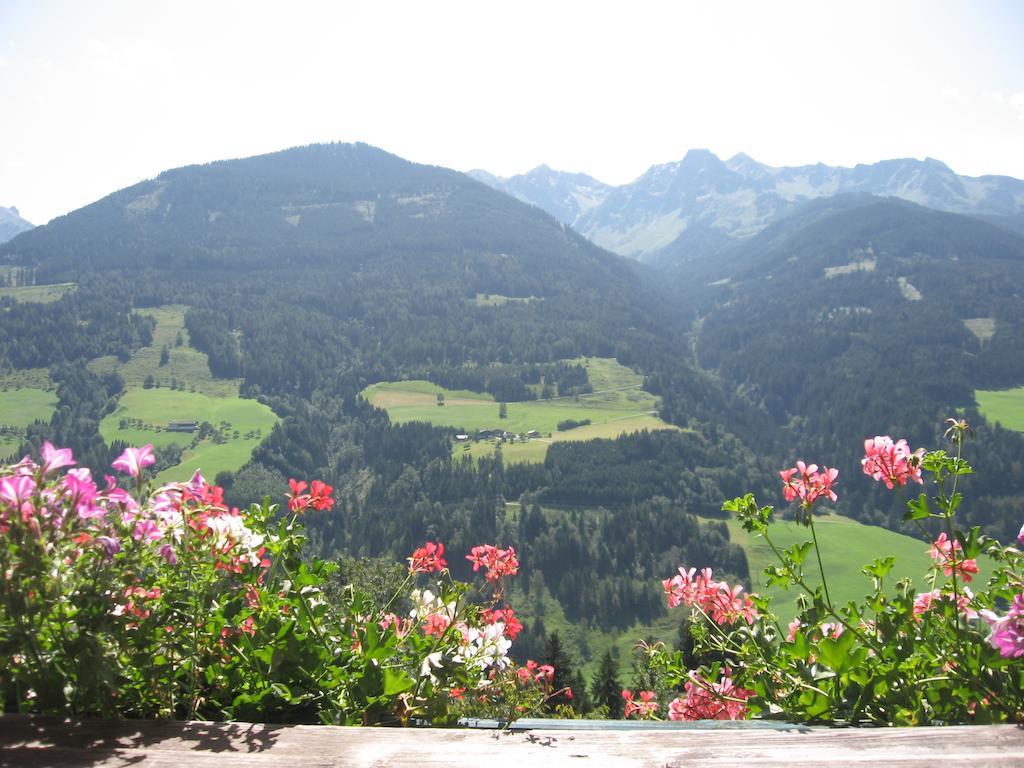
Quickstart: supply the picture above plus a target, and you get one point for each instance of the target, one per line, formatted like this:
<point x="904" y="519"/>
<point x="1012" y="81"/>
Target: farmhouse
<point x="182" y="426"/>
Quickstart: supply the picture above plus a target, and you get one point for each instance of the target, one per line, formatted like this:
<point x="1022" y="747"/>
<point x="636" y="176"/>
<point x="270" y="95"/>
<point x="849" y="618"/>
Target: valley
<point x="303" y="333"/>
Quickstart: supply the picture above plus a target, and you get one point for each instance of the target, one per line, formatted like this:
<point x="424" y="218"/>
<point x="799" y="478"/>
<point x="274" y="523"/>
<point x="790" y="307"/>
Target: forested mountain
<point x="862" y="313"/>
<point x="313" y="272"/>
<point x="11" y="223"/>
<point x="701" y="204"/>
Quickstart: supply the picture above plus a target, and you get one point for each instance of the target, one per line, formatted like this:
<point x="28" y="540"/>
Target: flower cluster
<point x="925" y="601"/>
<point x="704" y="700"/>
<point x="428" y="559"/>
<point x="644" y="707"/>
<point x="1007" y="631"/>
<point x="892" y="463"/>
<point x="948" y="555"/>
<point x="505" y="615"/>
<point x="724" y="604"/>
<point x="318" y="498"/>
<point x="497" y="562"/>
<point x="805" y="483"/>
<point x="536" y="674"/>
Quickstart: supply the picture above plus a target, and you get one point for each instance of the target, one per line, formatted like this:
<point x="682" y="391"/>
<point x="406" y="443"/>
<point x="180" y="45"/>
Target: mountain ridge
<point x="699" y="204"/>
<point x="12" y="223"/>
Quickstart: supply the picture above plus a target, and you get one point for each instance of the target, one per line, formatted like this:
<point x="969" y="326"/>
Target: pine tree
<point x="606" y="690"/>
<point x="566" y="677"/>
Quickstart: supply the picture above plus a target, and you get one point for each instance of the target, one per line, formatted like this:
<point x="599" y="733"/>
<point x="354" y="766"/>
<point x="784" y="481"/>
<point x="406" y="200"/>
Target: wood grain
<point x="38" y="742"/>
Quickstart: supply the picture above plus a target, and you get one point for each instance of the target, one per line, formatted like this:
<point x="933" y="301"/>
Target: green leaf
<point x="799" y="552"/>
<point x="918" y="508"/>
<point x="814" y="704"/>
<point x="396" y="681"/>
<point x="880" y="567"/>
<point x="835" y="652"/>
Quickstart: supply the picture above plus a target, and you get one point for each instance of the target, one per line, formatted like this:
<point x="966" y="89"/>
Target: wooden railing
<point x="31" y="741"/>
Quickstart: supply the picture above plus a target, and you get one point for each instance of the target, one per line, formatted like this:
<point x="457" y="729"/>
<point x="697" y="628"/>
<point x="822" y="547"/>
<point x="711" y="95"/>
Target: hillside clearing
<point x="617" y="406"/>
<point x="18" y="409"/>
<point x="37" y="294"/>
<point x="142" y="415"/>
<point x="186" y="366"/>
<point x="1003" y="406"/>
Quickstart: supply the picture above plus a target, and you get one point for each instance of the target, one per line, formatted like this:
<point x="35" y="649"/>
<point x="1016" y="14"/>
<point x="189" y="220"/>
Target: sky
<point x="96" y="96"/>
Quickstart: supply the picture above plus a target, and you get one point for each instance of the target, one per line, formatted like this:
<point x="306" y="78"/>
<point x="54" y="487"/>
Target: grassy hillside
<point x="186" y="366"/>
<point x="617" y="406"/>
<point x="142" y="413"/>
<point x="1003" y="406"/>
<point x="846" y="547"/>
<point x="142" y="416"/>
<point x="19" y="408"/>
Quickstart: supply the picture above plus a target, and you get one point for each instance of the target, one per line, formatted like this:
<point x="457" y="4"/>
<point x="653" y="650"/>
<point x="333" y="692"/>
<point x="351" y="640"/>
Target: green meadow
<point x="1003" y="406"/>
<point x="846" y="547"/>
<point x="37" y="294"/>
<point x="617" y="406"/>
<point x="187" y="367"/>
<point x="142" y="415"/>
<point x="18" y="409"/>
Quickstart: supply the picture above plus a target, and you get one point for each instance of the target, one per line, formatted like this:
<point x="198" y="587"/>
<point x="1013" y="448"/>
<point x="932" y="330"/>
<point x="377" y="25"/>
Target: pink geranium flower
<point x="804" y="483"/>
<point x="892" y="463"/>
<point x="1007" y="631"/>
<point x="133" y="460"/>
<point x="948" y="554"/>
<point x="646" y="706"/>
<point x="704" y="700"/>
<point x="55" y="458"/>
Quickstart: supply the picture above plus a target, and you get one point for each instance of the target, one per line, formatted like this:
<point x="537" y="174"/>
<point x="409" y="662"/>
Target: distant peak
<point x="740" y="157"/>
<point x="700" y="154"/>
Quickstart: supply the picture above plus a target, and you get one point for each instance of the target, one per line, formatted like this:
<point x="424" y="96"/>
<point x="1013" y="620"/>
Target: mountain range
<point x="308" y="274"/>
<point x="702" y="204"/>
<point x="11" y="223"/>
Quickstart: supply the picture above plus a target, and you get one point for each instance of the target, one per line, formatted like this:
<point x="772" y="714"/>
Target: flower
<point x="645" y="707"/>
<point x="320" y="496"/>
<point x="945" y="553"/>
<point x="498" y="562"/>
<point x="55" y="458"/>
<point x="297" y="500"/>
<point x="428" y="558"/>
<point x="891" y="463"/>
<point x="1020" y="536"/>
<point x="704" y="700"/>
<point x="805" y="483"/>
<point x="436" y="624"/>
<point x="1007" y="631"/>
<point x="724" y="604"/>
<point x="507" y="616"/>
<point x="924" y="601"/>
<point x="133" y="460"/>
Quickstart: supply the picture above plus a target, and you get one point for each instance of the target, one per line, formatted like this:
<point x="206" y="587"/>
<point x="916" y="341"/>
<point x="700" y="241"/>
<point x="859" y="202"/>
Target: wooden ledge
<point x="54" y="743"/>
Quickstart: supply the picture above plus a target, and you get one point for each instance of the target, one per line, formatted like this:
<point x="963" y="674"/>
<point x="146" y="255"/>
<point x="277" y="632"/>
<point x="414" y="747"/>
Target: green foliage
<point x="174" y="606"/>
<point x="890" y="658"/>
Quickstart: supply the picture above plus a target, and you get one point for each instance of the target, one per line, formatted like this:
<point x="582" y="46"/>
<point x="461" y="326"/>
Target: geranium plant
<point x="951" y="653"/>
<point x="165" y="602"/>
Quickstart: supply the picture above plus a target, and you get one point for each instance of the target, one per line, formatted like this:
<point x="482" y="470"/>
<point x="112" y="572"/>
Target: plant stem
<point x="821" y="568"/>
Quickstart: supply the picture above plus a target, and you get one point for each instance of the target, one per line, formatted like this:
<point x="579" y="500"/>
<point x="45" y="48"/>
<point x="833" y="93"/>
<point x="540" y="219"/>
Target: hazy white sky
<point x="97" y="95"/>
